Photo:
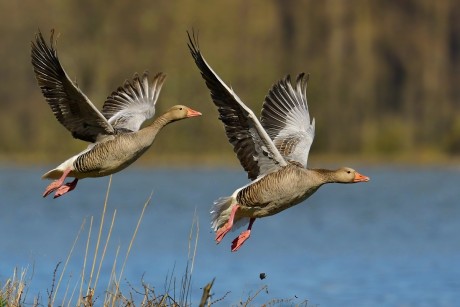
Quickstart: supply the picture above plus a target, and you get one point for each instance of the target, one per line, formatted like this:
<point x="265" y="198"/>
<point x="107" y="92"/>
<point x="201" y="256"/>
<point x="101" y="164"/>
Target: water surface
<point x="391" y="242"/>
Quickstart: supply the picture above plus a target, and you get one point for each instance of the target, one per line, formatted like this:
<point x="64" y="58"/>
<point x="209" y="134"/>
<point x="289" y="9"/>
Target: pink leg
<point x="238" y="242"/>
<point x="66" y="188"/>
<point x="56" y="184"/>
<point x="222" y="231"/>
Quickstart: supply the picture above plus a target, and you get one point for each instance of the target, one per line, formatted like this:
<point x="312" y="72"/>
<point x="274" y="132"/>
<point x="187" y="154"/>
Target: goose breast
<point x="277" y="191"/>
<point x="111" y="156"/>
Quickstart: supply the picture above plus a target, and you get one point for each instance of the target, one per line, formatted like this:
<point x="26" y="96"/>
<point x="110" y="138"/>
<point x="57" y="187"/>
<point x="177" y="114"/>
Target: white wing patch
<point x="286" y="118"/>
<point x="133" y="103"/>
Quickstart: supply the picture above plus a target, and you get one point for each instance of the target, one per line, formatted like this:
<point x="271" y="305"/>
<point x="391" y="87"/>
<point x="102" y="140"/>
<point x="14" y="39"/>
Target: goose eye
<point x="348" y="172"/>
<point x="180" y="108"/>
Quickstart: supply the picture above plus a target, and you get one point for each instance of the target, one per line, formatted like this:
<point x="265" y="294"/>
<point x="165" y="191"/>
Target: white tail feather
<point x="53" y="174"/>
<point x="221" y="211"/>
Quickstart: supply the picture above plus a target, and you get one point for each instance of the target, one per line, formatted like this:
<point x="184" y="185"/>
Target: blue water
<point x="393" y="241"/>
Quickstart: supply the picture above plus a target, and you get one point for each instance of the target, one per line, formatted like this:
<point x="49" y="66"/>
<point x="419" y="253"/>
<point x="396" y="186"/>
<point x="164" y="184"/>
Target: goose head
<point x="349" y="175"/>
<point x="180" y="112"/>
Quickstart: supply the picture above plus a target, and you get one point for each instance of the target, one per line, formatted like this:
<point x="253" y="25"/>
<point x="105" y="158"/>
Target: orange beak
<point x="192" y="113"/>
<point x="360" y="178"/>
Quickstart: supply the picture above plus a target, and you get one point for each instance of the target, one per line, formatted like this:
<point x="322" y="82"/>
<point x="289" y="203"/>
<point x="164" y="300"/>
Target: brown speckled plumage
<point x="115" y="134"/>
<point x="273" y="151"/>
<point x="281" y="190"/>
<point x="278" y="191"/>
<point x="114" y="154"/>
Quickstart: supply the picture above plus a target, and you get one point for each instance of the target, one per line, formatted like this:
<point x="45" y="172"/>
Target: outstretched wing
<point x="133" y="103"/>
<point x="254" y="148"/>
<point x="68" y="103"/>
<point x="286" y="119"/>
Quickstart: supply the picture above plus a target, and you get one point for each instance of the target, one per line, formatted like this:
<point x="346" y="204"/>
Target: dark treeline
<point x="384" y="74"/>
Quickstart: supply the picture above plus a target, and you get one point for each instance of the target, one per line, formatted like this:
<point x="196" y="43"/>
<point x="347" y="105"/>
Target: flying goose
<point x="273" y="151"/>
<point x="115" y="135"/>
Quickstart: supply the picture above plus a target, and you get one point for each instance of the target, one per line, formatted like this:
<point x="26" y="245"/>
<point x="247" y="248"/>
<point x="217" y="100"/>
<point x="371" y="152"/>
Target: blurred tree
<point x="384" y="74"/>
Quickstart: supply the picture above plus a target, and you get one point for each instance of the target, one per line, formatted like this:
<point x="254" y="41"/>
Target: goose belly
<point x="107" y="158"/>
<point x="273" y="195"/>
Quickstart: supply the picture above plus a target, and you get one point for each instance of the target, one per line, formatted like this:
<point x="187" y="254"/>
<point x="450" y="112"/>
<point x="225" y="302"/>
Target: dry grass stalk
<point x="197" y="232"/>
<point x="134" y="236"/>
<point x="80" y="296"/>
<point x="99" y="234"/>
<point x="105" y="249"/>
<point x="206" y="294"/>
<point x="116" y="294"/>
<point x="12" y="293"/>
<point x="66" y="262"/>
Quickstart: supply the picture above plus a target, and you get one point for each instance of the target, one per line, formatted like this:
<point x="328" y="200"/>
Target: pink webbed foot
<point x="238" y="242"/>
<point x="57" y="183"/>
<point x="63" y="189"/>
<point x="220" y="234"/>
<point x="52" y="187"/>
<point x="222" y="231"/>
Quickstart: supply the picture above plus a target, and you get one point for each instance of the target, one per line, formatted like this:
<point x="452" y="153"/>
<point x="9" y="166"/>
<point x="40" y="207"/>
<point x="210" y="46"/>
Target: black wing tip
<point x="40" y="40"/>
<point x="43" y="52"/>
<point x="130" y="85"/>
<point x="158" y="80"/>
<point x="301" y="81"/>
<point x="285" y="85"/>
<point x="160" y="76"/>
<point x="193" y="43"/>
<point x="137" y="78"/>
<point x="39" y="36"/>
<point x="301" y="77"/>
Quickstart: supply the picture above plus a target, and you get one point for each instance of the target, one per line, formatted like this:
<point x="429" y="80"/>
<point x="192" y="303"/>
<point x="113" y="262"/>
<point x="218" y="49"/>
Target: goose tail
<point x="53" y="174"/>
<point x="221" y="211"/>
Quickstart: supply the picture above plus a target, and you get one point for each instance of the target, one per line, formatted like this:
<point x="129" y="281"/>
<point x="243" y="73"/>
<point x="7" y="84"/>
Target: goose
<point x="115" y="137"/>
<point x="273" y="151"/>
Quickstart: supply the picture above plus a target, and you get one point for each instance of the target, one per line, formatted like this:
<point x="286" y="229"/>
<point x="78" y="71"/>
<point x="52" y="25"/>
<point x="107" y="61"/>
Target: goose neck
<point x="325" y="175"/>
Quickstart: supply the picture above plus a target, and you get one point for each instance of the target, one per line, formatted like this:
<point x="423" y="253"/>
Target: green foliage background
<point x="384" y="74"/>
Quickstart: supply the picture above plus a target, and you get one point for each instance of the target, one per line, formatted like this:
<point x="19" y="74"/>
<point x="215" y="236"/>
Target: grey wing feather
<point x="69" y="104"/>
<point x="254" y="148"/>
<point x="286" y="119"/>
<point x="133" y="103"/>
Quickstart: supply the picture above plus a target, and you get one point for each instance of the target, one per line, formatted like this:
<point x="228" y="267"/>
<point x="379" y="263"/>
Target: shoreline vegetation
<point x="228" y="160"/>
<point x="85" y="290"/>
